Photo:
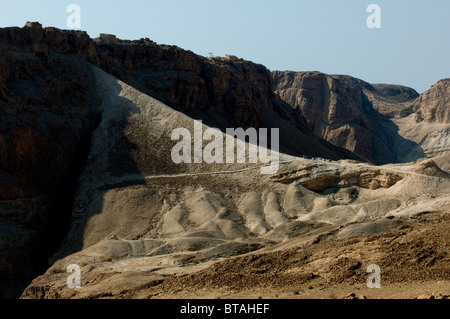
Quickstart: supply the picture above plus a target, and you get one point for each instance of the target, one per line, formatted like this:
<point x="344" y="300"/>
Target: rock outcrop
<point x="429" y="167"/>
<point x="236" y="90"/>
<point x="433" y="106"/>
<point x="317" y="179"/>
<point x="428" y="125"/>
<point x="346" y="111"/>
<point x="223" y="92"/>
<point x="380" y="122"/>
<point x="48" y="112"/>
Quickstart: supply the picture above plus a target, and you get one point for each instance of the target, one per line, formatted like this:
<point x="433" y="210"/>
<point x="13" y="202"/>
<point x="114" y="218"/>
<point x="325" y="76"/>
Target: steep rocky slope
<point x="380" y="122"/>
<point x="433" y="105"/>
<point x="429" y="125"/>
<point x="49" y="109"/>
<point x="138" y="233"/>
<point x="223" y="92"/>
<point x="48" y="112"/>
<point x="348" y="112"/>
<point x="86" y="155"/>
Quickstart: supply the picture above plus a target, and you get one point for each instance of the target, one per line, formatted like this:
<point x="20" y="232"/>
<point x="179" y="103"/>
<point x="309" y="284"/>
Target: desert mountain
<point x="223" y="92"/>
<point x="429" y="125"/>
<point x="380" y="122"/>
<point x="50" y="110"/>
<point x="432" y="106"/>
<point x="87" y="178"/>
<point x="140" y="220"/>
<point x="350" y="112"/>
<point x="143" y="227"/>
<point x="48" y="113"/>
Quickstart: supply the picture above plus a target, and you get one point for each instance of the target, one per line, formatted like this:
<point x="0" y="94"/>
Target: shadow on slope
<point x="110" y="158"/>
<point x="47" y="117"/>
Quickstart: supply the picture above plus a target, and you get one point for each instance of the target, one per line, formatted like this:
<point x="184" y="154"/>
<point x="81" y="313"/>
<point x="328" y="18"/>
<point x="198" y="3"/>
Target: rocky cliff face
<point x="80" y="147"/>
<point x="433" y="105"/>
<point x="237" y="90"/>
<point x="380" y="122"/>
<point x="223" y="92"/>
<point x="135" y="230"/>
<point x="49" y="109"/>
<point x="428" y="125"/>
<point x="48" y="112"/>
<point x="346" y="111"/>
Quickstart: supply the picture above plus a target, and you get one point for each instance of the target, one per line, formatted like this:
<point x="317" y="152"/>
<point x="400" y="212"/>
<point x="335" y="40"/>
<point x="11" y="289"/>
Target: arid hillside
<point x="88" y="176"/>
<point x="168" y="230"/>
<point x="381" y="123"/>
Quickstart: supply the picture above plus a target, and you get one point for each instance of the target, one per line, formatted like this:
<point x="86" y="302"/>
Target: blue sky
<point x="411" y="48"/>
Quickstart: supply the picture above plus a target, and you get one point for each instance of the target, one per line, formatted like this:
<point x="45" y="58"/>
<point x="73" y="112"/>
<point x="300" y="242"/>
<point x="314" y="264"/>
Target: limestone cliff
<point x="346" y="111"/>
<point x="433" y="105"/>
<point x="48" y="112"/>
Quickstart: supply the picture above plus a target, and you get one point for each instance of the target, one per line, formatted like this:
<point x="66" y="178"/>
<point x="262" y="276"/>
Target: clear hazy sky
<point x="411" y="48"/>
